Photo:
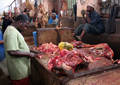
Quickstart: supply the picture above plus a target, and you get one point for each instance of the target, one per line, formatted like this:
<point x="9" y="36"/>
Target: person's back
<point x="17" y="52"/>
<point x="15" y="41"/>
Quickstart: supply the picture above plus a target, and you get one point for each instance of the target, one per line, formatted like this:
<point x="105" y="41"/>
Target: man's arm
<point x="1" y="41"/>
<point x="87" y="17"/>
<point x="96" y="19"/>
<point x="22" y="54"/>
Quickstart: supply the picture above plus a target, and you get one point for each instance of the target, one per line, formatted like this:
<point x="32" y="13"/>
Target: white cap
<point x="91" y="5"/>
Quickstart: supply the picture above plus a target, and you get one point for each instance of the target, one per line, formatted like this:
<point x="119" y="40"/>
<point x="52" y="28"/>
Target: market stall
<point x="95" y="72"/>
<point x="46" y="71"/>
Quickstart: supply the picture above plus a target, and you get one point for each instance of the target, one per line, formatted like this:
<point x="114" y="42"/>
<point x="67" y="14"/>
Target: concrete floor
<point x="4" y="80"/>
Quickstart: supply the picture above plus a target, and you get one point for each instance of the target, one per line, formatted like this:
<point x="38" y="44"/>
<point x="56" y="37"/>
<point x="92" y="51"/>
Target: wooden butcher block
<point x="47" y="35"/>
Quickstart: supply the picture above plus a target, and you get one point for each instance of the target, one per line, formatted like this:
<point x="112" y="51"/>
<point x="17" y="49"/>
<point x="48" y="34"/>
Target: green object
<point x="18" y="68"/>
<point x="71" y="3"/>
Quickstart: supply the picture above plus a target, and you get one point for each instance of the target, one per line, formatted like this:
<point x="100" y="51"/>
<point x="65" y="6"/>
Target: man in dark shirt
<point x="25" y="15"/>
<point x="6" y="21"/>
<point x="93" y="25"/>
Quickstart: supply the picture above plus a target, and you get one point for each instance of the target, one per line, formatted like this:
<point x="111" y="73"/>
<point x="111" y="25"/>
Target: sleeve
<point x="12" y="42"/>
<point x="96" y="19"/>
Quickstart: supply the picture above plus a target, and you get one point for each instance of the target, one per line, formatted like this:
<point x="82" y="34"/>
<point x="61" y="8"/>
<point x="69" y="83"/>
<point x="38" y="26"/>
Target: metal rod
<point x="12" y="3"/>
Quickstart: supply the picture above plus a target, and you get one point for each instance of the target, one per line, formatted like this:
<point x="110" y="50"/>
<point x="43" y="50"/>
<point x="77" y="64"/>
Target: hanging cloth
<point x="28" y="5"/>
<point x="36" y="4"/>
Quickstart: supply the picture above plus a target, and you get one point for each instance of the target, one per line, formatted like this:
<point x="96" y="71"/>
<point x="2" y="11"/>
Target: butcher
<point x="17" y="53"/>
<point x="93" y="25"/>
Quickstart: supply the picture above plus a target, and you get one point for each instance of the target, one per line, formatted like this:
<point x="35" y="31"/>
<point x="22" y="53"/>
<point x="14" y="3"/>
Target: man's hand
<point x="33" y="55"/>
<point x="1" y="41"/>
<point x="87" y="17"/>
<point x="87" y="14"/>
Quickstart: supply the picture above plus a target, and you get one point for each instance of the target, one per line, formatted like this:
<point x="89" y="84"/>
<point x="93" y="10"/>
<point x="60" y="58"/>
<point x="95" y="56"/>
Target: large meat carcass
<point x="98" y="58"/>
<point x="70" y="59"/>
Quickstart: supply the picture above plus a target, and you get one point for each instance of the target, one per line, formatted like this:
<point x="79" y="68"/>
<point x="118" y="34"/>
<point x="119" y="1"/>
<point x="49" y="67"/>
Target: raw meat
<point x="90" y="54"/>
<point x="48" y="48"/>
<point x="69" y="58"/>
<point x="102" y="50"/>
<point x="100" y="63"/>
<point x="80" y="44"/>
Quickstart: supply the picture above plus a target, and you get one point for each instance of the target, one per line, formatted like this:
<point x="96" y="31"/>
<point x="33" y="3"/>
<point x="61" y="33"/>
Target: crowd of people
<point x="39" y="20"/>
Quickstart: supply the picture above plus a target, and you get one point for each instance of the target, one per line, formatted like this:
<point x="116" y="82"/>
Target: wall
<point x="50" y="4"/>
<point x="82" y="5"/>
<point x="45" y="3"/>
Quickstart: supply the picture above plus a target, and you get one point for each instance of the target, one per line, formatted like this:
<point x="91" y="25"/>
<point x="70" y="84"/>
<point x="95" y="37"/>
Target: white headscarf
<point x="91" y="5"/>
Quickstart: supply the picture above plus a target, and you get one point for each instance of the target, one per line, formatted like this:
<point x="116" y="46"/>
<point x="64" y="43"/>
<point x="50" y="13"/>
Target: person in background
<point x="6" y="22"/>
<point x="17" y="53"/>
<point x="114" y="13"/>
<point x="31" y="14"/>
<point x="1" y="22"/>
<point x="2" y="56"/>
<point x="1" y="41"/>
<point x="3" y="63"/>
<point x="52" y="13"/>
<point x="94" y="24"/>
<point x="53" y="19"/>
<point x="1" y="36"/>
<point x="53" y="10"/>
<point x="26" y="15"/>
